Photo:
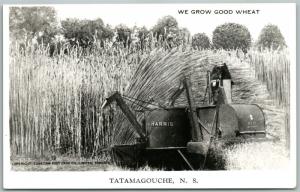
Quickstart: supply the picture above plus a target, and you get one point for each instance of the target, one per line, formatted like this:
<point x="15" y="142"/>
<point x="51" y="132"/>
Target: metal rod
<point x="196" y="131"/>
<point x="142" y="101"/>
<point x="165" y="148"/>
<point x="127" y="112"/>
<point x="245" y="132"/>
<point x="206" y="154"/>
<point x="203" y="126"/>
<point x="175" y="95"/>
<point x="185" y="159"/>
<point x="211" y="138"/>
<point x="208" y="86"/>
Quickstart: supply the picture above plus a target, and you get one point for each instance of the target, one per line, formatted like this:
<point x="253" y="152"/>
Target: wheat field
<point x="55" y="102"/>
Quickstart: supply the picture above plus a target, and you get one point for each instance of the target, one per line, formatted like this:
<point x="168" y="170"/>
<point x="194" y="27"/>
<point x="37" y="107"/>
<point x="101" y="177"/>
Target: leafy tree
<point x="143" y="32"/>
<point x="183" y="35"/>
<point x="271" y="38"/>
<point x="140" y="36"/>
<point x="85" y="33"/>
<point x="25" y="23"/>
<point x="166" y="28"/>
<point x="123" y="34"/>
<point x="107" y="33"/>
<point x="231" y="36"/>
<point x="200" y="41"/>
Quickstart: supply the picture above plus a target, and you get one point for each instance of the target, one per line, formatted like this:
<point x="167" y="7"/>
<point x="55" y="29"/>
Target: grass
<point x="256" y="156"/>
<point x="55" y="103"/>
<point x="68" y="167"/>
<point x="273" y="68"/>
<point x="79" y="167"/>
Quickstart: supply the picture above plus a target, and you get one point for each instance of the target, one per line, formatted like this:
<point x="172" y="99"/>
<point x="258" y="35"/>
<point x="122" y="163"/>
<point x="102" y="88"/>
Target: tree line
<point x="41" y="26"/>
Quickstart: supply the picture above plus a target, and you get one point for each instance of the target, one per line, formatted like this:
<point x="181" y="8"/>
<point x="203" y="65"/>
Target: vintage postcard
<point x="157" y="96"/>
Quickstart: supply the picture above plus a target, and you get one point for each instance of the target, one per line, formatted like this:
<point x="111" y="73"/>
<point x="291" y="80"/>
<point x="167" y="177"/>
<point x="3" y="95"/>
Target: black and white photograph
<point x="118" y="96"/>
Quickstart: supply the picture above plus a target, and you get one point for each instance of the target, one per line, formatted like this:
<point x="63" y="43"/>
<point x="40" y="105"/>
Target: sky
<point x="147" y="15"/>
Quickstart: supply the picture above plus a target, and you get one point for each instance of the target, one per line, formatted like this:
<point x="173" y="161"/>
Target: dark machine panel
<point x="168" y="128"/>
<point x="241" y="119"/>
<point x="207" y="117"/>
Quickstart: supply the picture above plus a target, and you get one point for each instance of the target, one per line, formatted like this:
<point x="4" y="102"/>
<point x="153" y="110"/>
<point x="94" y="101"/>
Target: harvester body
<point x="181" y="137"/>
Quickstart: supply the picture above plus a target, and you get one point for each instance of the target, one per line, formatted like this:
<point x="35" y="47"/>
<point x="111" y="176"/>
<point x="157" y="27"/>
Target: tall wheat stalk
<point x="273" y="68"/>
<point x="55" y="103"/>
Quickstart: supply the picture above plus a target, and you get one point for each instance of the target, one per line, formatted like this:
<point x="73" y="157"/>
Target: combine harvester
<point x="181" y="138"/>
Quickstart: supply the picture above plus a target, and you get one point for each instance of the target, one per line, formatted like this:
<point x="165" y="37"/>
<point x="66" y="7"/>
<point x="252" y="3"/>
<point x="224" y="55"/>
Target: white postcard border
<point x="100" y="179"/>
